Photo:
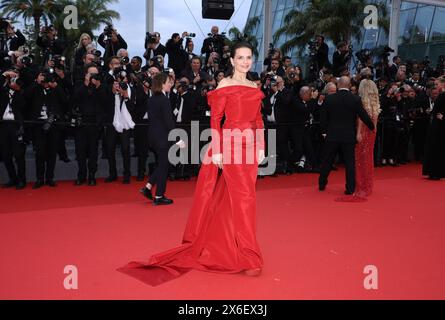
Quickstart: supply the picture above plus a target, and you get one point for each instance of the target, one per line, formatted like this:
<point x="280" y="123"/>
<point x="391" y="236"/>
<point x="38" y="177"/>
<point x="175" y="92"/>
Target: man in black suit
<point x="177" y="58"/>
<point x="339" y="127"/>
<point x="153" y="47"/>
<point x="14" y="40"/>
<point x="194" y="74"/>
<point x="341" y="58"/>
<point x="12" y="144"/>
<point x="277" y="109"/>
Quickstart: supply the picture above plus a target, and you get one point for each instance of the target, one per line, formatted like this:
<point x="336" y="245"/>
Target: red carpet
<point x="313" y="247"/>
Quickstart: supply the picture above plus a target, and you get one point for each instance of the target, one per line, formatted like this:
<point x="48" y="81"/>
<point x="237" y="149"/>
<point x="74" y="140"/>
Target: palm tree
<point x="36" y="10"/>
<point x="91" y="15"/>
<point x="247" y="34"/>
<point x="338" y="20"/>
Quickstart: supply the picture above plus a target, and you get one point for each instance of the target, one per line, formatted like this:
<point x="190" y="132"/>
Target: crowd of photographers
<point x="100" y="98"/>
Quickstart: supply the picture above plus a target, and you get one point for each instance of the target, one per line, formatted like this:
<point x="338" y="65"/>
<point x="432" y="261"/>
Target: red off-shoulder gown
<point x="220" y="235"/>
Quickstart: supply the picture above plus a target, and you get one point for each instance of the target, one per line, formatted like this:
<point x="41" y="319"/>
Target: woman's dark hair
<point x="231" y="70"/>
<point x="158" y="81"/>
<point x="174" y="35"/>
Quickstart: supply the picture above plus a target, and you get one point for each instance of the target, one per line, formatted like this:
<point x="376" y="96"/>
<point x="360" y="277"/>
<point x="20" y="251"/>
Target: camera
<point x="191" y="35"/>
<point x="292" y="75"/>
<point x="156" y="62"/>
<point x="150" y="37"/>
<point x="145" y="78"/>
<point x="49" y="75"/>
<point x="76" y="118"/>
<point x="119" y="75"/>
<point x="125" y="60"/>
<point x="108" y="31"/>
<point x="168" y="71"/>
<point x="97" y="53"/>
<point x="58" y="59"/>
<point x="184" y="86"/>
<point x="28" y="60"/>
<point x="94" y="76"/>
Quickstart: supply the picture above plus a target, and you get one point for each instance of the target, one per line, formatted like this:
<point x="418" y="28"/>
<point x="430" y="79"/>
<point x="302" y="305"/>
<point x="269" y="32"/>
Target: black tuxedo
<point x="339" y="122"/>
<point x="177" y="58"/>
<point x="191" y="76"/>
<point x="282" y="109"/>
<point x="160" y="124"/>
<point x="112" y="136"/>
<point x="160" y="50"/>
<point x="88" y="103"/>
<point x="10" y="146"/>
<point x="46" y="141"/>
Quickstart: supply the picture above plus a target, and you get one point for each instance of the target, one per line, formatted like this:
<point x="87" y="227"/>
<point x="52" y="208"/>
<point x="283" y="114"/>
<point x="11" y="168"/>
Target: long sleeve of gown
<point x="217" y="102"/>
<point x="260" y="130"/>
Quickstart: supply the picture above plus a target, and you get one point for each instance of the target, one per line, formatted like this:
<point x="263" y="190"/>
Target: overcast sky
<point x="171" y="16"/>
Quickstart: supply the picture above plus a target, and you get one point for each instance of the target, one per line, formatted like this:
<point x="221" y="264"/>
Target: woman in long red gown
<point x="220" y="235"/>
<point x="364" y="150"/>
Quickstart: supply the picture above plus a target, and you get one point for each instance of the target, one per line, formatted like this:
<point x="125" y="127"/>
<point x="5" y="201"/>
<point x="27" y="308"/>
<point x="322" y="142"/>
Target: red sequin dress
<point x="364" y="167"/>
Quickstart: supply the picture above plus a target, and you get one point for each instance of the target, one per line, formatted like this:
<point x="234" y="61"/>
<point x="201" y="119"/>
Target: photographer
<point x="176" y="54"/>
<point x="12" y="41"/>
<point x="273" y="54"/>
<point x="214" y="43"/>
<point x="50" y="43"/>
<point x="141" y="146"/>
<point x="277" y="109"/>
<point x="275" y="68"/>
<point x="88" y="100"/>
<point x="212" y="65"/>
<point x="184" y="111"/>
<point x="111" y="41"/>
<point x="434" y="162"/>
<point x="27" y="69"/>
<point x="125" y="60"/>
<point x="47" y="103"/>
<point x="321" y="52"/>
<point x="79" y="71"/>
<point x="394" y="68"/>
<point x="341" y="58"/>
<point x="12" y="140"/>
<point x="405" y="105"/>
<point x="225" y="58"/>
<point x="194" y="73"/>
<point x="119" y="123"/>
<point x="294" y="79"/>
<point x="424" y="100"/>
<point x="189" y="47"/>
<point x="63" y="78"/>
<point x="153" y="47"/>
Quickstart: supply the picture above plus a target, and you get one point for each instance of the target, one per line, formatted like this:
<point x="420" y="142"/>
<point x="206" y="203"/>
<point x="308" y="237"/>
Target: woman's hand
<point x="439" y="116"/>
<point x="359" y="137"/>
<point x="217" y="160"/>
